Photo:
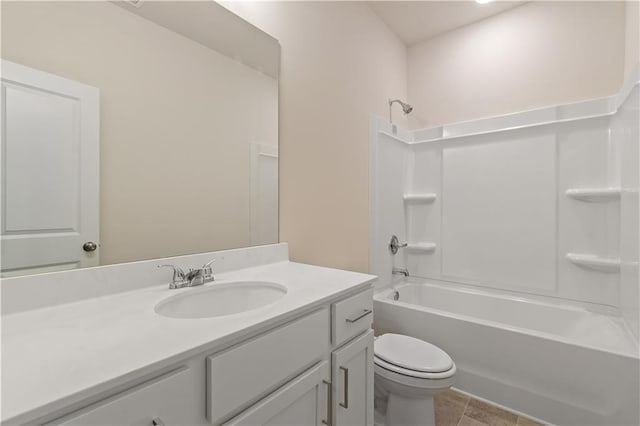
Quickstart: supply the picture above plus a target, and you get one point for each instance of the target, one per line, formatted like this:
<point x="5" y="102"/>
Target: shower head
<point x="406" y="108"/>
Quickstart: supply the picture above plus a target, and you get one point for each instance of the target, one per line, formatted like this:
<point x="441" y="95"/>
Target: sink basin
<point x="216" y="300"/>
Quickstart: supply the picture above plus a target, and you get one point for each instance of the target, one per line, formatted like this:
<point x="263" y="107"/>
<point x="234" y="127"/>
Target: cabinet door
<point x="304" y="401"/>
<point x="352" y="375"/>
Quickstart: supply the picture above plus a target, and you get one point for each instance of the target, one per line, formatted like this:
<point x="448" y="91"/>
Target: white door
<point x="264" y="194"/>
<point x="304" y="401"/>
<point x="50" y="174"/>
<point x="352" y="376"/>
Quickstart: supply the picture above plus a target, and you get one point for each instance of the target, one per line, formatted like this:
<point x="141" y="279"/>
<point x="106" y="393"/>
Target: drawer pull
<point x="346" y="387"/>
<point x="157" y="422"/>
<point x="328" y="420"/>
<point x="359" y="317"/>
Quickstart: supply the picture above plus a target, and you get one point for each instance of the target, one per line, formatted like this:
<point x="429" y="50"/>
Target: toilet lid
<point x="412" y="354"/>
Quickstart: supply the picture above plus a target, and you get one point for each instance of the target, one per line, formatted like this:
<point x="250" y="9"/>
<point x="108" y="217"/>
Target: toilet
<point x="408" y="373"/>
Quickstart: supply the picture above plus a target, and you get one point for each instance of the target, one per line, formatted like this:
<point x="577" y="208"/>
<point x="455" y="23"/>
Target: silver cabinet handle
<point x="157" y="422"/>
<point x="359" y="317"/>
<point x="346" y="388"/>
<point x="328" y="420"/>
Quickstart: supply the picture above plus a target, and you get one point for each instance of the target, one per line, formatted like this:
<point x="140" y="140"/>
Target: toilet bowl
<point x="408" y="373"/>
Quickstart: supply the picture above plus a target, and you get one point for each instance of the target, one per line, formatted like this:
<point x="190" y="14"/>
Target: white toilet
<point x="408" y="372"/>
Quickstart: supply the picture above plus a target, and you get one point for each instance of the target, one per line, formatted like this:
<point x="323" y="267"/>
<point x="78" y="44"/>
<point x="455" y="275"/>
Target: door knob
<point x="89" y="246"/>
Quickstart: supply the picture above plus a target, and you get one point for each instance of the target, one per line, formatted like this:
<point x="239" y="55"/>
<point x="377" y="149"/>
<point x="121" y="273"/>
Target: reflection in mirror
<point x="134" y="133"/>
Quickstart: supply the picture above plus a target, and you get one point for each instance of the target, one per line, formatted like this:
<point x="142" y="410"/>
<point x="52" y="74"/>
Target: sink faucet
<point x="403" y="271"/>
<point x="191" y="278"/>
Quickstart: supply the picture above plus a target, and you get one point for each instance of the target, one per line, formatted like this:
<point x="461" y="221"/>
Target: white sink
<point x="216" y="300"/>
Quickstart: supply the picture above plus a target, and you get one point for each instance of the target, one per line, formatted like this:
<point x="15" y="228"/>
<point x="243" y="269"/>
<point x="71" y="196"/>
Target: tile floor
<point x="455" y="409"/>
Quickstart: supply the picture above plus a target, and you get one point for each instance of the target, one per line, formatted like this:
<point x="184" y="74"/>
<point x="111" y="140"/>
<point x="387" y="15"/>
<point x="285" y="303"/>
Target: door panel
<point x="50" y="170"/>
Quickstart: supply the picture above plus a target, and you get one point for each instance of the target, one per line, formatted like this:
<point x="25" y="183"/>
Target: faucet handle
<point x="395" y="244"/>
<point x="178" y="274"/>
<point x="207" y="271"/>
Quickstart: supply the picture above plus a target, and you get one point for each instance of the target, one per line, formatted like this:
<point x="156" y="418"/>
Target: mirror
<point x="134" y="130"/>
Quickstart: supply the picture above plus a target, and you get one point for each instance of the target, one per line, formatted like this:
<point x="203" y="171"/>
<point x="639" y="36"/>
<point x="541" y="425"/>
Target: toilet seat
<point x="393" y="369"/>
<point x="412" y="357"/>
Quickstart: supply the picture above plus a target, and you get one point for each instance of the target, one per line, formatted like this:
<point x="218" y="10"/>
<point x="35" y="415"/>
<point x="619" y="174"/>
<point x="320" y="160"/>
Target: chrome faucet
<point x="403" y="271"/>
<point x="191" y="278"/>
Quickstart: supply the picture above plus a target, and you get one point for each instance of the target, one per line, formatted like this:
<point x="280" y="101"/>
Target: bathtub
<point x="562" y="364"/>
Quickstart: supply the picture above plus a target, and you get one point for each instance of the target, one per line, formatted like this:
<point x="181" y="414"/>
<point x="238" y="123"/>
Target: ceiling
<point x="415" y="21"/>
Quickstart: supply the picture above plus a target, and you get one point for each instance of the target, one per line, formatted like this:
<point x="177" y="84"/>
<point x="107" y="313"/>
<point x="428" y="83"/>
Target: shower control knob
<point x="89" y="246"/>
<point x="394" y="245"/>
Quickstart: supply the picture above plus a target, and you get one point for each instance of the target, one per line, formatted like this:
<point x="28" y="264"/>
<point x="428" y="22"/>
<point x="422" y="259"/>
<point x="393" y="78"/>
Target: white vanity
<point x="82" y="348"/>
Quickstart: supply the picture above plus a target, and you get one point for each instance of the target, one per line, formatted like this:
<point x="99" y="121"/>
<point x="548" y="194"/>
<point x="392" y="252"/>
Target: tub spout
<point x="403" y="271"/>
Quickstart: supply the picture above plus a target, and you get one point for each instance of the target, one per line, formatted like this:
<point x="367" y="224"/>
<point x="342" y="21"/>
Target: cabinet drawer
<point x="351" y="317"/>
<point x="171" y="398"/>
<point x="243" y="374"/>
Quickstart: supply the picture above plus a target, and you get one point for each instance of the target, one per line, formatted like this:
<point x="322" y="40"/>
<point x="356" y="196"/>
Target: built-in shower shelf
<point x="592" y="261"/>
<point x="421" y="247"/>
<point x="594" y="194"/>
<point x="419" y="198"/>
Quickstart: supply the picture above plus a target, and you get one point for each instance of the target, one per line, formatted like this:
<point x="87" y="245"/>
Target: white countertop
<point x="58" y="355"/>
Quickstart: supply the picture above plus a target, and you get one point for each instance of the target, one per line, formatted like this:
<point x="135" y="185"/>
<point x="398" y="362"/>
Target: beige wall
<point x="340" y="64"/>
<point x="176" y="122"/>
<point x="538" y="54"/>
<point x="632" y="39"/>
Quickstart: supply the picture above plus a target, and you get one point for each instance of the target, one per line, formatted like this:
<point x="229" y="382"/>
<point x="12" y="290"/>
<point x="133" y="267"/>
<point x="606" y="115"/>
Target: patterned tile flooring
<point x="456" y="409"/>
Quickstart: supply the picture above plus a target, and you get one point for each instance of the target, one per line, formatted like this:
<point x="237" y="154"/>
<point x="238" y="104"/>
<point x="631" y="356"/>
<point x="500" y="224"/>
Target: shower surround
<point x="523" y="211"/>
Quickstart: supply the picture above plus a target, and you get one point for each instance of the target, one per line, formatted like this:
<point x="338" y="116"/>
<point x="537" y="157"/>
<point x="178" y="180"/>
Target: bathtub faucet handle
<point x="395" y="244"/>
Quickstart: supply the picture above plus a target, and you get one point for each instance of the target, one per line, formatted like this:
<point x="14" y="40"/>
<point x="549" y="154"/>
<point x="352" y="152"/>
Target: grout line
<point x="463" y="411"/>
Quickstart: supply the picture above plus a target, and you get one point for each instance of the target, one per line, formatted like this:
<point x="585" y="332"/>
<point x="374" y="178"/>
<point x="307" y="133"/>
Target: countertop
<point x="58" y="355"/>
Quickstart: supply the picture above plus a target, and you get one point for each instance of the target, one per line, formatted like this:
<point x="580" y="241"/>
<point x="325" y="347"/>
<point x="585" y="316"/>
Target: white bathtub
<point x="562" y="364"/>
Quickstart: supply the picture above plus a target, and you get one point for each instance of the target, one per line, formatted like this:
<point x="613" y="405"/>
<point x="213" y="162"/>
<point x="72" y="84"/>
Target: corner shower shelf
<point x="419" y="198"/>
<point x="421" y="247"/>
<point x="594" y="194"/>
<point x="595" y="262"/>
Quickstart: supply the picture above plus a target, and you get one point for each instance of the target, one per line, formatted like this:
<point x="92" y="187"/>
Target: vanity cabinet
<point x="314" y="370"/>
